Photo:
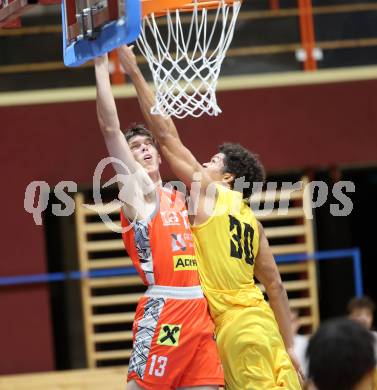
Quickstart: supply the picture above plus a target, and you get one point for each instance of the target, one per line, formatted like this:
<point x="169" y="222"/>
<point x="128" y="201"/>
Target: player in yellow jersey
<point x="254" y="337"/>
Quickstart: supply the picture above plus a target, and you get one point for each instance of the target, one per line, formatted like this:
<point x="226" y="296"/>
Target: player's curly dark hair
<point x="138" y="129"/>
<point x="242" y="163"/>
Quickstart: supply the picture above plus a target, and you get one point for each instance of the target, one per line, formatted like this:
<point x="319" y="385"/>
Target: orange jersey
<point x="162" y="249"/>
<point x="173" y="343"/>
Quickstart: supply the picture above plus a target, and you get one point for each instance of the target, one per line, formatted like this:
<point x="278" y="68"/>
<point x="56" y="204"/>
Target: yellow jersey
<point x="226" y="247"/>
<point x="248" y="338"/>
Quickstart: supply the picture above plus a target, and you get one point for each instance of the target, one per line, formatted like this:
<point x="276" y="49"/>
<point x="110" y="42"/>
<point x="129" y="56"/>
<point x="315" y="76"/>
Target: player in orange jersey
<point x="174" y="346"/>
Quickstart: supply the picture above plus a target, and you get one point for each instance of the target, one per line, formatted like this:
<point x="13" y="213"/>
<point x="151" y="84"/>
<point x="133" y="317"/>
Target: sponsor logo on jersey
<point x="177" y="242"/>
<point x="170" y="218"/>
<point x="169" y="335"/>
<point x="185" y="263"/>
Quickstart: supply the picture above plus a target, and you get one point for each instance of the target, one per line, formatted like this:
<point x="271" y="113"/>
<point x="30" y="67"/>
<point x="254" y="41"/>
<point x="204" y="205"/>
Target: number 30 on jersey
<point x="241" y="240"/>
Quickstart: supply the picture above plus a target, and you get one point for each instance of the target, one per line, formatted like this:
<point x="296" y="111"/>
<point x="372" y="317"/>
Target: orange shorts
<point x="174" y="345"/>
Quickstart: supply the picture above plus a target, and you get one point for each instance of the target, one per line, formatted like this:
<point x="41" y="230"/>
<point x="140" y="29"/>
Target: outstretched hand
<point x="127" y="59"/>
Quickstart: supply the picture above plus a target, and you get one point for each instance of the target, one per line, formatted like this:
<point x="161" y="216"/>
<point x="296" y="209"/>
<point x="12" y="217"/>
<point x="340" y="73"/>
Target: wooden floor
<point x="88" y="379"/>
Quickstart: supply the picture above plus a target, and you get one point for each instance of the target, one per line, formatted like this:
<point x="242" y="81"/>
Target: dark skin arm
<point x="266" y="271"/>
<point x="181" y="160"/>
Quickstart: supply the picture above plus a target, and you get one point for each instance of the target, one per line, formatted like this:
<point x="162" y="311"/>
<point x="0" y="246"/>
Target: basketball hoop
<point x="185" y="58"/>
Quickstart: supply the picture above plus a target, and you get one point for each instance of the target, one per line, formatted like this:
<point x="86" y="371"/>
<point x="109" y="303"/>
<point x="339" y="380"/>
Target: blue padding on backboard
<point x="111" y="36"/>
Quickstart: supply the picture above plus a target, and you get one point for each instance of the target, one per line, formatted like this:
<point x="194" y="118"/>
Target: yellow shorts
<point x="252" y="350"/>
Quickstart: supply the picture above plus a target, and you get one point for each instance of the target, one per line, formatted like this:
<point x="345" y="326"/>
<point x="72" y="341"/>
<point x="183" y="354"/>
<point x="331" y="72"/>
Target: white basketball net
<point x="185" y="58"/>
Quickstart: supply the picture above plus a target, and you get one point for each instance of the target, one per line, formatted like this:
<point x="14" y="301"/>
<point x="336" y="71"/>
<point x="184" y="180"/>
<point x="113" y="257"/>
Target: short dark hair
<point x="136" y="129"/>
<point x="361" y="303"/>
<point x="242" y="163"/>
<point x="340" y="354"/>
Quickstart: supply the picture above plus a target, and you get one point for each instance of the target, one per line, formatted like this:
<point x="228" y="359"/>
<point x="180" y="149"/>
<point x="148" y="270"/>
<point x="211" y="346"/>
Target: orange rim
<point x="161" y="7"/>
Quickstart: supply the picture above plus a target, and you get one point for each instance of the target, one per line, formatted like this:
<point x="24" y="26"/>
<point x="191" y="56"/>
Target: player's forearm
<point x="278" y="300"/>
<point x="109" y="122"/>
<point x="106" y="108"/>
<point x="162" y="128"/>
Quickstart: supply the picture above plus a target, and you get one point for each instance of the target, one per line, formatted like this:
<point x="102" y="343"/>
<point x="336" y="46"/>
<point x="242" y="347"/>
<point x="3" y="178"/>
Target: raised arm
<point x="108" y="119"/>
<point x="266" y="271"/>
<point x="127" y="168"/>
<point x="181" y="160"/>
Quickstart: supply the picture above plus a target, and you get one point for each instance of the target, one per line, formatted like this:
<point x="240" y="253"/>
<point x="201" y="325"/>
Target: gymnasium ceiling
<point x="266" y="40"/>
